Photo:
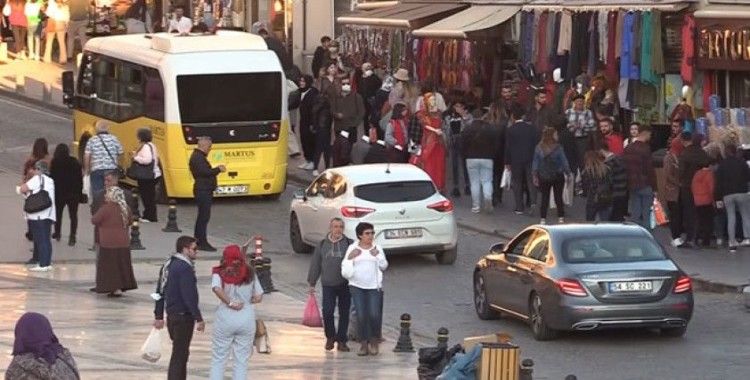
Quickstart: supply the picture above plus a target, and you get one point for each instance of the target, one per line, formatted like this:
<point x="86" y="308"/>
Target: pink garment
<point x="687" y="65"/>
<point x="17" y="15"/>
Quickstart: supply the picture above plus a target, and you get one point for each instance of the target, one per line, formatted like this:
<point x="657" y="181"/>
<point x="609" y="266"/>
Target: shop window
<point x="739" y="89"/>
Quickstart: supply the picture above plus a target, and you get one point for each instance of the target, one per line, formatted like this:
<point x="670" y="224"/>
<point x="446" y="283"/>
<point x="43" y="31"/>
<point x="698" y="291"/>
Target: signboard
<point x="723" y="44"/>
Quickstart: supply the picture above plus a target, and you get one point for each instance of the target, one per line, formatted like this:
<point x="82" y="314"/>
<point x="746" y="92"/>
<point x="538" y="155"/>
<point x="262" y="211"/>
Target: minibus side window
<point x="154" y="94"/>
<point x="105" y="84"/>
<point x="130" y="85"/>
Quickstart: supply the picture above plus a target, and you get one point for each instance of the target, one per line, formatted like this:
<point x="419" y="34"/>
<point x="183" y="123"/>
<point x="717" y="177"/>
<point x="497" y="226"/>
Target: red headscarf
<point x="233" y="268"/>
<point x="676" y="147"/>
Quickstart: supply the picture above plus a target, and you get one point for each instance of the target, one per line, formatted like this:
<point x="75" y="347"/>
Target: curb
<point x="15" y="95"/>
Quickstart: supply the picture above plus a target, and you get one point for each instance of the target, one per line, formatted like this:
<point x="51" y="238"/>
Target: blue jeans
<point x="203" y="198"/>
<point x="333" y="295"/>
<point x="96" y="181"/>
<point x="641" y="201"/>
<point x="40" y="230"/>
<point x="733" y="203"/>
<point x="480" y="177"/>
<point x="369" y="315"/>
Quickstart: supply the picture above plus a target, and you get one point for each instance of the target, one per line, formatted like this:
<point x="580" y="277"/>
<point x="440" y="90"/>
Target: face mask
<point x="367" y="73"/>
<point x="346" y="88"/>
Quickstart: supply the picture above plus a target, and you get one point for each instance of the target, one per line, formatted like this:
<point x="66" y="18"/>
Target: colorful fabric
<point x="687" y="64"/>
<point x="647" y="71"/>
<point x="612" y="47"/>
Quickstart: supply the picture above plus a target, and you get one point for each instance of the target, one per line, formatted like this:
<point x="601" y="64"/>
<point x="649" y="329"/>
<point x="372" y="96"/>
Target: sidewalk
<point x="105" y="334"/>
<point x="714" y="270"/>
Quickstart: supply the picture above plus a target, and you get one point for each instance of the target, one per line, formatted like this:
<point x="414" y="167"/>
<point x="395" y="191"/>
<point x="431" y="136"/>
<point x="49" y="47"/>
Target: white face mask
<point x="367" y="73"/>
<point x="346" y="88"/>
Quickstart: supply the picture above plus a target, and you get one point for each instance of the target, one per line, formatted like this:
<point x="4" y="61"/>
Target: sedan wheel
<point x="447" y="257"/>
<point x="481" y="304"/>
<point x="539" y="326"/>
<point x="295" y="236"/>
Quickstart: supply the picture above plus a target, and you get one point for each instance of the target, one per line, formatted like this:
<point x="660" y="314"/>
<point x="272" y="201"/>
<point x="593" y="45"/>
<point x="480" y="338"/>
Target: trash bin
<point x="499" y="361"/>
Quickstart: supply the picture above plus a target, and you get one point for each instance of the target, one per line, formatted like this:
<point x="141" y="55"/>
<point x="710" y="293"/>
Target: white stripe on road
<point x="37" y="110"/>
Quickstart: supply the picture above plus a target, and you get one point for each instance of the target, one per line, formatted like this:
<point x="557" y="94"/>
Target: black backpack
<point x="548" y="169"/>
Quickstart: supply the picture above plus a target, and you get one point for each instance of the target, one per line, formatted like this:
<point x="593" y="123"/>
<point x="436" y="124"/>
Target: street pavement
<point x="716" y="342"/>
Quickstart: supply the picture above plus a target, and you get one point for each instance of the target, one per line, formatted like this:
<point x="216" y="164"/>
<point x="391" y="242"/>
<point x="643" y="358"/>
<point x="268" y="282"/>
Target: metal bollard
<point x="527" y="370"/>
<point x="172" y="218"/>
<point x="258" y="252"/>
<point x="404" y="338"/>
<point x="136" y="206"/>
<point x="135" y="237"/>
<point x="266" y="282"/>
<point x="442" y="337"/>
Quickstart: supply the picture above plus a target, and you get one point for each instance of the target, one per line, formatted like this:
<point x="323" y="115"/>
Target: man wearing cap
<point x="580" y="125"/>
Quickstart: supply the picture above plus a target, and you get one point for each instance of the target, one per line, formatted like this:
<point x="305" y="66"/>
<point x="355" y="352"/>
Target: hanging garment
<point x="612" y="31"/>
<point x="687" y="64"/>
<point x="535" y="34"/>
<point x="527" y="42"/>
<point x="566" y="33"/>
<point x="635" y="56"/>
<point x="550" y="38"/>
<point x="579" y="44"/>
<point x="618" y="33"/>
<point x="627" y="70"/>
<point x="593" y="55"/>
<point x="542" y="59"/>
<point x="708" y="89"/>
<point x="657" y="52"/>
<point x="622" y="92"/>
<point x="647" y="72"/>
<point x="603" y="32"/>
<point x="553" y="56"/>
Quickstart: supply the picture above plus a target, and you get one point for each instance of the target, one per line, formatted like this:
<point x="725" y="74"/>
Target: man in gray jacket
<point x="326" y="265"/>
<point x="348" y="111"/>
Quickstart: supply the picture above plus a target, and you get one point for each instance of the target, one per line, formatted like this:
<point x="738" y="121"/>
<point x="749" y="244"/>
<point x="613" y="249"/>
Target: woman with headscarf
<point x="237" y="287"/>
<point x="433" y="143"/>
<point x="307" y="96"/>
<point x="38" y="354"/>
<point x="114" y="268"/>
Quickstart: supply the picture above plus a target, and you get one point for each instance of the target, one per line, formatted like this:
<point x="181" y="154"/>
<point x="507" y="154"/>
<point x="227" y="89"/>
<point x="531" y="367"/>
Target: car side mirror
<point x="300" y="194"/>
<point x="497" y="248"/>
<point x="68" y="87"/>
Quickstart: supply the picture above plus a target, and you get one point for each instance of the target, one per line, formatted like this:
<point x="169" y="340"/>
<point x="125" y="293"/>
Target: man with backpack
<point x="326" y="265"/>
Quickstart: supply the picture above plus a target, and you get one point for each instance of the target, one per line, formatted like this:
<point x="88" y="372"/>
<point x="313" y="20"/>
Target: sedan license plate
<point x="630" y="286"/>
<point x="226" y="190"/>
<point x="403" y="233"/>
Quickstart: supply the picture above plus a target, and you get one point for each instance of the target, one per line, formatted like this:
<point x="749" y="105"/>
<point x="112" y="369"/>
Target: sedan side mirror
<point x="68" y="87"/>
<point x="300" y="194"/>
<point x="497" y="248"/>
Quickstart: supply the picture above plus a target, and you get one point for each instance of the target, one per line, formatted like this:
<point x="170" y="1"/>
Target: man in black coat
<point x="520" y="141"/>
<point x="203" y="189"/>
<point x="319" y="58"/>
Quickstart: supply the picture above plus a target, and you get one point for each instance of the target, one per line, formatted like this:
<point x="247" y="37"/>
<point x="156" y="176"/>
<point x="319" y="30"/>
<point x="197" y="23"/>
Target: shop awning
<point x="599" y="5"/>
<point x="476" y="18"/>
<point x="403" y="15"/>
<point x="723" y="11"/>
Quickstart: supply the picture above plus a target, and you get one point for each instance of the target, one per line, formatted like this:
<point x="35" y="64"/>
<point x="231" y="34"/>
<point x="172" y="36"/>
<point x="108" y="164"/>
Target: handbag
<point x="120" y="172"/>
<point x="142" y="171"/>
<point x="38" y="201"/>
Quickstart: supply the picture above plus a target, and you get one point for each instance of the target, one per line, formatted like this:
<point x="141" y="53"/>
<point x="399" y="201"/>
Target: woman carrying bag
<point x="236" y="285"/>
<point x="363" y="267"/>
<point x="39" y="208"/>
<point x="147" y="157"/>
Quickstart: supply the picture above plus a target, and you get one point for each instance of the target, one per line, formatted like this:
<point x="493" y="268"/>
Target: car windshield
<point x="229" y="98"/>
<point x="611" y="249"/>
<point x="391" y="192"/>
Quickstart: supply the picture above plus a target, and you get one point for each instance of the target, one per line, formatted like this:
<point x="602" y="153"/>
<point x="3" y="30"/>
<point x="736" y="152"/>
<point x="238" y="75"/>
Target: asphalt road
<point x="716" y="346"/>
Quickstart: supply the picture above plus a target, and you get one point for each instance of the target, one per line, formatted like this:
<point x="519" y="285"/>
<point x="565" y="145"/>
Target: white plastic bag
<point x="505" y="180"/>
<point x="86" y="185"/>
<point x="151" y="349"/>
<point x="569" y="190"/>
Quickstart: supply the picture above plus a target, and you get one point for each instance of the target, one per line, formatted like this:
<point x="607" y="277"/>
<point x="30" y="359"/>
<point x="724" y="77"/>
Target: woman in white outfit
<point x="363" y="267"/>
<point x="235" y="284"/>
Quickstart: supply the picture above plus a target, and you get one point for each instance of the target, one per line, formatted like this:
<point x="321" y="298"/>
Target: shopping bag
<point x="652" y="219"/>
<point x="505" y="179"/>
<point x="569" y="190"/>
<point x="312" y="313"/>
<point x="151" y="349"/>
<point x="87" y="186"/>
<point x="660" y="216"/>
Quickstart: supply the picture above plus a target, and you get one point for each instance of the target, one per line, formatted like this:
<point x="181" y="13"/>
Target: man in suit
<point x="203" y="189"/>
<point x="520" y="142"/>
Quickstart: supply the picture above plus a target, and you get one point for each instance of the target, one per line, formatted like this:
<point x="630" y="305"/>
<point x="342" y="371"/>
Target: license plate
<point x="630" y="286"/>
<point x="403" y="233"/>
<point x="237" y="189"/>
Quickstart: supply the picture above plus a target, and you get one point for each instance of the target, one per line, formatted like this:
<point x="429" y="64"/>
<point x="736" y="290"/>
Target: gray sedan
<point x="583" y="277"/>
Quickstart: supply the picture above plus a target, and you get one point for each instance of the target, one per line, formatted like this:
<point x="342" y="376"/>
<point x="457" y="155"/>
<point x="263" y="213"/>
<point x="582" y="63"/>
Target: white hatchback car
<point x="400" y="200"/>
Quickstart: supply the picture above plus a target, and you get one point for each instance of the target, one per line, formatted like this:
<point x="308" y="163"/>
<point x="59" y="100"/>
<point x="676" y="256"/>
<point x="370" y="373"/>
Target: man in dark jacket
<point x="732" y="176"/>
<point x="177" y="294"/>
<point x="540" y="114"/>
<point x="479" y="145"/>
<point x="641" y="177"/>
<point x="203" y="189"/>
<point x="692" y="159"/>
<point x="348" y="111"/>
<point x="326" y="265"/>
<point x="520" y="142"/>
<point x="619" y="182"/>
<point x="319" y="58"/>
<point x="368" y="87"/>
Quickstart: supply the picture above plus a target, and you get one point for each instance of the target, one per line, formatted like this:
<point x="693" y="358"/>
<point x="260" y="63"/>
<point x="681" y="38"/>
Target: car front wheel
<point x="447" y="257"/>
<point x="295" y="236"/>
<point x="481" y="303"/>
<point x="539" y="326"/>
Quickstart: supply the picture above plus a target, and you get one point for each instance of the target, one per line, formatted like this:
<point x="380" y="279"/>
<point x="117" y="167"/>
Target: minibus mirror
<point x="68" y="87"/>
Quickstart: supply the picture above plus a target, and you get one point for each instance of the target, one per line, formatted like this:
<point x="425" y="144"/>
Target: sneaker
<point x="374" y="347"/>
<point x="72" y="241"/>
<point x="475" y="210"/>
<point x="309" y="166"/>
<point x="678" y="242"/>
<point x="329" y="344"/>
<point x="455" y="192"/>
<point x="561" y="220"/>
<point x="40" y="269"/>
<point x="342" y="347"/>
<point x="316" y="172"/>
<point x="488" y="207"/>
<point x="719" y="242"/>
<point x="206" y="247"/>
<point x="745" y="243"/>
<point x="543" y="221"/>
<point x="517" y="212"/>
<point x="363" y="349"/>
<point x="32" y="262"/>
<point x="732" y="249"/>
<point x="144" y="220"/>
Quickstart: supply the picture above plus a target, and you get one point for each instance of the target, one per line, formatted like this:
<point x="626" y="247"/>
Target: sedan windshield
<point x="229" y="98"/>
<point x="611" y="249"/>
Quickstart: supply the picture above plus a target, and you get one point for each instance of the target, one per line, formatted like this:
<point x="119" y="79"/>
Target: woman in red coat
<point x="433" y="143"/>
